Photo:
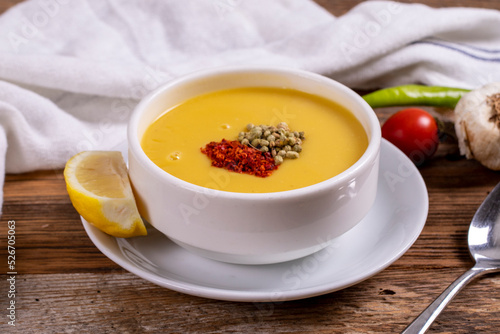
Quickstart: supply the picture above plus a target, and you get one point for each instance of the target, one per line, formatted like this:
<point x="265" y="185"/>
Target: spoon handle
<point x="425" y="319"/>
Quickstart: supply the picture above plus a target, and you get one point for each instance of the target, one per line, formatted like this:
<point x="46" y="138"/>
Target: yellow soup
<point x="334" y="138"/>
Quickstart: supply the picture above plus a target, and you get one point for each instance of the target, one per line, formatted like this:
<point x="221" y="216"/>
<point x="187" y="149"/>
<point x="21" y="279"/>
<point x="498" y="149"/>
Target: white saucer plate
<point x="383" y="236"/>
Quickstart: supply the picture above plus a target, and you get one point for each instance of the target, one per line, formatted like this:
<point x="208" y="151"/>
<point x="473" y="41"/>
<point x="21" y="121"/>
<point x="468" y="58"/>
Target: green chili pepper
<point x="415" y="95"/>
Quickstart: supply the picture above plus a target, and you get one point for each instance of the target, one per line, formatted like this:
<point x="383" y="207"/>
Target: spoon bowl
<point x="484" y="247"/>
<point x="484" y="231"/>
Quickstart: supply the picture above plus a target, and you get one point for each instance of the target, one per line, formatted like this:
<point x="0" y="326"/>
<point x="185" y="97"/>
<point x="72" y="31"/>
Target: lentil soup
<point x="334" y="138"/>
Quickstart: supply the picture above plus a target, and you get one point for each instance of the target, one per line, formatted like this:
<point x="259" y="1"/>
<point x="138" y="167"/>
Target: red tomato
<point x="414" y="131"/>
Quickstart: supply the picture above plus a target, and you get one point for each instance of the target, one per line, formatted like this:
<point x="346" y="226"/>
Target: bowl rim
<point x="367" y="158"/>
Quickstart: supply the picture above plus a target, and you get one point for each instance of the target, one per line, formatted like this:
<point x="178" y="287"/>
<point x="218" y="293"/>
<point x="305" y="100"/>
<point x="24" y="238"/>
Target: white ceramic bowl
<point x="252" y="228"/>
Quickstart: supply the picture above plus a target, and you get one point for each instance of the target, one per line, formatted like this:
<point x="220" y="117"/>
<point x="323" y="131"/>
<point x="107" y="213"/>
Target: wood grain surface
<point x="66" y="285"/>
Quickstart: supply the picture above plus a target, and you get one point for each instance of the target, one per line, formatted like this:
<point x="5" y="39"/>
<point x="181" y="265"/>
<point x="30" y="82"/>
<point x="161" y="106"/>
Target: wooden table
<point x="64" y="284"/>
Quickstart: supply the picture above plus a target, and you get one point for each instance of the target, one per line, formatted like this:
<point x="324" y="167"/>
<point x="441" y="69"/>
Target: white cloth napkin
<point x="72" y="71"/>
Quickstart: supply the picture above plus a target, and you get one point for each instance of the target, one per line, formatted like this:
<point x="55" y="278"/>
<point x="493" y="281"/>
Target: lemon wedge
<point x="99" y="188"/>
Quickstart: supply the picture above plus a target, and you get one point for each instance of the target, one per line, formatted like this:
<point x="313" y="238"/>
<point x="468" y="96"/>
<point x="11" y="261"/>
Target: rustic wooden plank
<point x="50" y="222"/>
<point x="47" y="186"/>
<point x="340" y="7"/>
<point x="122" y="303"/>
<point x="7" y="4"/>
<point x="48" y="227"/>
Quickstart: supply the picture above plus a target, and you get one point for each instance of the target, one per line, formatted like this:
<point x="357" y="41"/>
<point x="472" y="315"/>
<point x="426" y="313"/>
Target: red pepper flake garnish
<point x="236" y="157"/>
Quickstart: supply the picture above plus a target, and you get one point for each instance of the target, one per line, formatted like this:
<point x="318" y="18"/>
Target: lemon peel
<point x="99" y="188"/>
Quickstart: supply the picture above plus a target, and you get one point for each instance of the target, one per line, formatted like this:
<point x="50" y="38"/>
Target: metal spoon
<point x="484" y="246"/>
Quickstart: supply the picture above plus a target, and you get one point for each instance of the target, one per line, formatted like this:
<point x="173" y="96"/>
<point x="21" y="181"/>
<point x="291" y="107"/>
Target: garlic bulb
<point x="477" y="125"/>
